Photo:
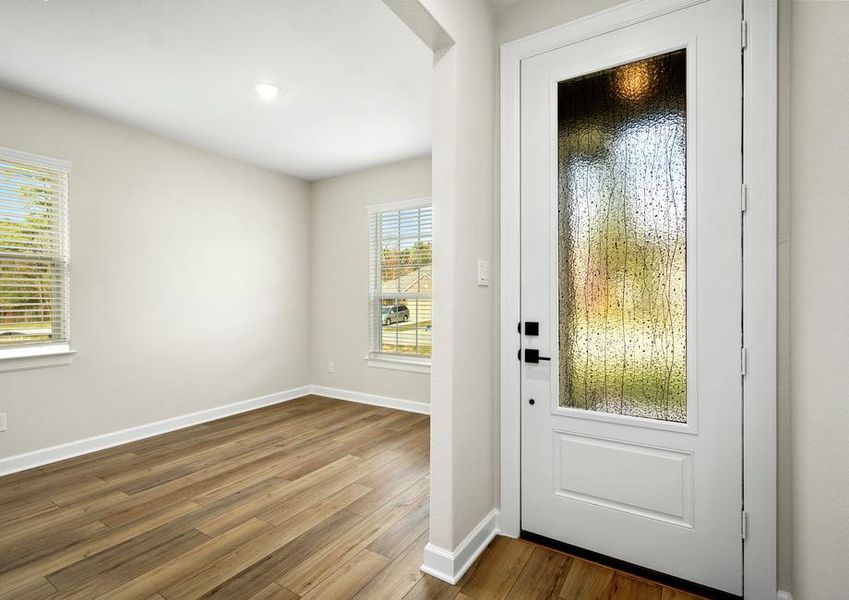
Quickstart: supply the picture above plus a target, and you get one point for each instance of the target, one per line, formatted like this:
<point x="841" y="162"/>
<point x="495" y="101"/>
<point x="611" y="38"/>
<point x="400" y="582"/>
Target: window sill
<point x="20" y="359"/>
<point x="412" y="365"/>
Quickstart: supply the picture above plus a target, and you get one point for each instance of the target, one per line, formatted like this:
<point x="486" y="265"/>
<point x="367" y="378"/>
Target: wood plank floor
<point x="314" y="498"/>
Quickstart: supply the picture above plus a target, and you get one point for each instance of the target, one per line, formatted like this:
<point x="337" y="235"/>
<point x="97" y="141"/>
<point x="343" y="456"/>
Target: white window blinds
<point x="400" y="281"/>
<point x="33" y="250"/>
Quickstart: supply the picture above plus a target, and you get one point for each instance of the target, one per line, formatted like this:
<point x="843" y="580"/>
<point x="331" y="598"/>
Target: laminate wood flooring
<point x="313" y="498"/>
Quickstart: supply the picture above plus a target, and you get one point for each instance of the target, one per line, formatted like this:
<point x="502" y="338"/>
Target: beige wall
<point x="190" y="281"/>
<point x="339" y="292"/>
<point x="819" y="297"/>
<point x="462" y="377"/>
<point x="785" y="462"/>
<point x="463" y="399"/>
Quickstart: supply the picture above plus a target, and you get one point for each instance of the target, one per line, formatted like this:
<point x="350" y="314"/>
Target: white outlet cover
<point x="331" y="367"/>
<point x="2" y="421"/>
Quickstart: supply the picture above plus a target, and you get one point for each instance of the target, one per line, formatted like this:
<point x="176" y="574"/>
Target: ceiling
<point x="499" y="5"/>
<point x="356" y="83"/>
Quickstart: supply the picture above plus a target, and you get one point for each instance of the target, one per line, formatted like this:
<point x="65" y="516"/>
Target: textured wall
<point x="462" y="378"/>
<point x="819" y="297"/>
<point x="189" y="281"/>
<point x="339" y="255"/>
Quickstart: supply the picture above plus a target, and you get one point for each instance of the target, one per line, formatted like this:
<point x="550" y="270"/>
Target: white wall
<point x="784" y="420"/>
<point x="819" y="297"/>
<point x="190" y="281"/>
<point x="463" y="377"/>
<point x="339" y="254"/>
<point x="524" y="18"/>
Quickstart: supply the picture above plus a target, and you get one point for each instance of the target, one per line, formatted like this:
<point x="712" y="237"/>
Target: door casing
<point x="760" y="274"/>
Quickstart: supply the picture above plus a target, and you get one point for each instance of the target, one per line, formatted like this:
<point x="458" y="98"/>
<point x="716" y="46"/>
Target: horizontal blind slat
<point x="34" y="290"/>
<point x="400" y="257"/>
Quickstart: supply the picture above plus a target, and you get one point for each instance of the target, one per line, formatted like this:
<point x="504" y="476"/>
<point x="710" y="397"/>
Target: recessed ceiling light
<point x="267" y="90"/>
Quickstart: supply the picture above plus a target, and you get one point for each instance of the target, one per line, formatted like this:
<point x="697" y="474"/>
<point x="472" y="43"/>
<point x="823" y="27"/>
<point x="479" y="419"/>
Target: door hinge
<point x="744" y="197"/>
<point x="744" y="34"/>
<point x="744" y="361"/>
<point x="744" y="524"/>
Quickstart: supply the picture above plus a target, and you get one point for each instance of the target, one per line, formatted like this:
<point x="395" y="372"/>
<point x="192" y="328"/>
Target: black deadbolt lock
<point x="531" y="328"/>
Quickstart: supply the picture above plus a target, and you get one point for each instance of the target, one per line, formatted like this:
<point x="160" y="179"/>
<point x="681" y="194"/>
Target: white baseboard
<point x="373" y="399"/>
<point x="783" y="595"/>
<point x="450" y="566"/>
<point x="43" y="456"/>
<point x="37" y="458"/>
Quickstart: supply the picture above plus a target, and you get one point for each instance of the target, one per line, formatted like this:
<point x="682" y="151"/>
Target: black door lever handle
<point x="532" y="356"/>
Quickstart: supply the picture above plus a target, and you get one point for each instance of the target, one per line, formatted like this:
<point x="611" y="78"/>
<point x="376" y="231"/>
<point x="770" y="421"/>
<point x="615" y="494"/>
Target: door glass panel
<point x="622" y="239"/>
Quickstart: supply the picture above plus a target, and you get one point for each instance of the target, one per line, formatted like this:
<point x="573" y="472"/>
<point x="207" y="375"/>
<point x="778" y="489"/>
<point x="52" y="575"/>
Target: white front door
<point x="631" y="267"/>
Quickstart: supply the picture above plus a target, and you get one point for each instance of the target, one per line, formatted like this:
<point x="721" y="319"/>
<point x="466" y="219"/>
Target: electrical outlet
<point x="2" y="421"/>
<point x="331" y="368"/>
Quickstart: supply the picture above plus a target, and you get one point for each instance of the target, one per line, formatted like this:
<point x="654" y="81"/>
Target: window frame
<point x="28" y="356"/>
<point x="417" y="363"/>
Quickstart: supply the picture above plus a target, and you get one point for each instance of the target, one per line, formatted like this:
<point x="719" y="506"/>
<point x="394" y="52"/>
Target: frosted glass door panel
<point x="622" y="239"/>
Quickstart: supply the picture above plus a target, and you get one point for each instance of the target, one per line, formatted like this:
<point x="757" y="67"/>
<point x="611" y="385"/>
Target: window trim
<point x="415" y="363"/>
<point x="33" y="356"/>
<point x="399" y="205"/>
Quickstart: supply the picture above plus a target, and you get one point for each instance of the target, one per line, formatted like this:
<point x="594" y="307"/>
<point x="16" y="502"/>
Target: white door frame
<point x="760" y="274"/>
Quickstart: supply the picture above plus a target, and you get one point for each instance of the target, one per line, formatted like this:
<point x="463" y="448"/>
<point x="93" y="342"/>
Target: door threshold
<point x="629" y="568"/>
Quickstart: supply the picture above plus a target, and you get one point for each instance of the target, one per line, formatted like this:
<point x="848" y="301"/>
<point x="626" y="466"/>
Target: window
<point x="33" y="255"/>
<point x="400" y="281"/>
<point x="622" y="239"/>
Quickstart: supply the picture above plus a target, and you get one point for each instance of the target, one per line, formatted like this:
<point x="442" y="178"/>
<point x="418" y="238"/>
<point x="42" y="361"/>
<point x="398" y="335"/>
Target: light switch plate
<point x="483" y="272"/>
